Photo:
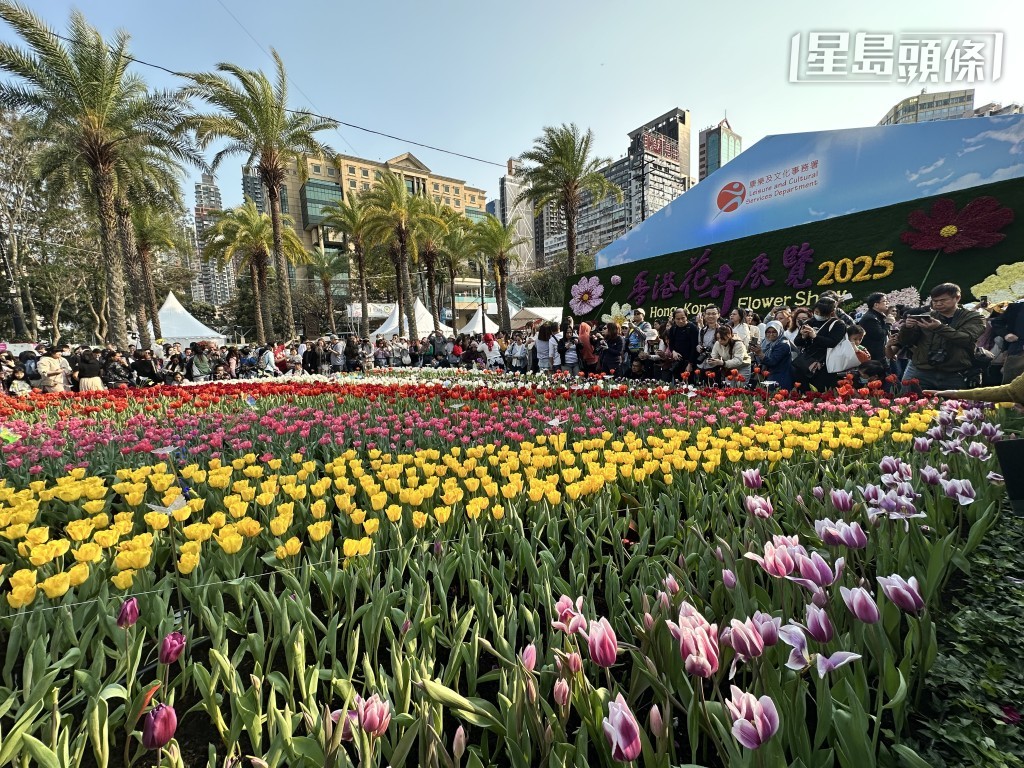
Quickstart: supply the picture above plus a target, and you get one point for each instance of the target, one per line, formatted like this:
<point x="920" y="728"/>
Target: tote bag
<point x="841" y="357"/>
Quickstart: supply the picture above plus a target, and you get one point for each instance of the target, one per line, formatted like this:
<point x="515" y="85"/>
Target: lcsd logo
<point x="731" y="196"/>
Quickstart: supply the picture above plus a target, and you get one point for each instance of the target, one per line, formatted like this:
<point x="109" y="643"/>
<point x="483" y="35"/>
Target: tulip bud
<point x="657" y="724"/>
<point x="671" y="584"/>
<point x="406" y="626"/>
<point x="602" y="643"/>
<point x="529" y="657"/>
<point x="562" y="692"/>
<point x="531" y="691"/>
<point x="159" y="727"/>
<point x="374" y="715"/>
<point x="171" y="647"/>
<point x="459" y="743"/>
<point x="729" y="579"/>
<point x="348" y="720"/>
<point x="129" y="613"/>
<point x="648" y="622"/>
<point x="575" y="662"/>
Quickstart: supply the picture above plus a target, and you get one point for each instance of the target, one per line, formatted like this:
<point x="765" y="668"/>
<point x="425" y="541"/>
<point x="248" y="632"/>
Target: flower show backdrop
<point x="798" y="178"/>
<point x="961" y="236"/>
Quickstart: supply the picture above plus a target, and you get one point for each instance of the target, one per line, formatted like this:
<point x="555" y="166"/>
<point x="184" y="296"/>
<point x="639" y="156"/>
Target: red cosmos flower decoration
<point x="944" y="228"/>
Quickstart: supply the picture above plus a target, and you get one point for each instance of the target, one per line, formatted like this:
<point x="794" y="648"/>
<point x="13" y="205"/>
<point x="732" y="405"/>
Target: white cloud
<point x="971" y="148"/>
<point x="813" y="212"/>
<point x="924" y="170"/>
<point x="974" y="179"/>
<point x="936" y="180"/>
<point x="1013" y="134"/>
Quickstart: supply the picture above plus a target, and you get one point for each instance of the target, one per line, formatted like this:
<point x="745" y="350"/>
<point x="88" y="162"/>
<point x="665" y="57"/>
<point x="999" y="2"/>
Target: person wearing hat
<point x="636" y="341"/>
<point x="50" y="371"/>
<point x="775" y="356"/>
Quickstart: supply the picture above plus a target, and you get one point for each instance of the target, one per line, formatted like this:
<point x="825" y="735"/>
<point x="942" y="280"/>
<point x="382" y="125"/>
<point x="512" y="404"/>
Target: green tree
<point x="248" y="234"/>
<point x="393" y="216"/>
<point x="252" y="114"/>
<point x="432" y="228"/>
<point x="458" y="251"/>
<point x="93" y="111"/>
<point x="324" y="266"/>
<point x="348" y="217"/>
<point x="564" y="173"/>
<point x="497" y="245"/>
<point x="156" y="230"/>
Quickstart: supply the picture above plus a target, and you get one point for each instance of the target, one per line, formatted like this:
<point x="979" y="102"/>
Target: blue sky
<point x="483" y="77"/>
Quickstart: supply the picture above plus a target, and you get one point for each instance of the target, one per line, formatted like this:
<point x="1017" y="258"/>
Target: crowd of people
<point x="942" y="346"/>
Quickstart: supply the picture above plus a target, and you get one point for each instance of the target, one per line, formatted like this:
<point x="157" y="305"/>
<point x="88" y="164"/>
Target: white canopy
<point x="178" y="325"/>
<point x="424" y="324"/>
<point x="529" y="315"/>
<point x="476" y="324"/>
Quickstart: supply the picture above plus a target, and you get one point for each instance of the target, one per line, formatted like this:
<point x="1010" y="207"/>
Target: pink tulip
<point x="459" y="743"/>
<point x="349" y="719"/>
<point x="374" y="715"/>
<point x="129" y="613"/>
<point x="159" y="726"/>
<point x="698" y="641"/>
<point x="754" y="721"/>
<point x="569" y="618"/>
<point x="861" y="604"/>
<point x="529" y="657"/>
<point x="562" y="692"/>
<point x="622" y="731"/>
<point x="905" y="594"/>
<point x="171" y="647"/>
<point x="602" y="643"/>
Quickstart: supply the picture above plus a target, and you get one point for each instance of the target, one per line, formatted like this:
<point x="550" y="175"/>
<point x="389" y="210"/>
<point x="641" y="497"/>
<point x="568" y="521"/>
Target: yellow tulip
<point x="394" y="513"/>
<point x="230" y="543"/>
<point x="56" y="586"/>
<point x="157" y="520"/>
<point x="187" y="563"/>
<point x="123" y="580"/>
<point x="78" y="574"/>
<point x="88" y="553"/>
<point x="319" y="531"/>
<point x="442" y="514"/>
<point x="19" y="597"/>
<point x="198" y="531"/>
<point x="358" y="516"/>
<point x="248" y="527"/>
<point x="371" y="526"/>
<point x="419" y="519"/>
<point x="497" y="512"/>
<point x="366" y="544"/>
<point x="95" y="506"/>
<point x="217" y="519"/>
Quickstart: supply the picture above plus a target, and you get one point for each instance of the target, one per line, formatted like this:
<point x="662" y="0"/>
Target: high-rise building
<point x="655" y="171"/>
<point x="217" y="283"/>
<point x="252" y="188"/>
<point x="931" y="106"/>
<point x="996" y="108"/>
<point x="718" y="145"/>
<point x="513" y="211"/>
<point x="548" y="222"/>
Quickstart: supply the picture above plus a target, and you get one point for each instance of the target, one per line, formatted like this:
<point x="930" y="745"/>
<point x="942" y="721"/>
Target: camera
<point x="937" y="356"/>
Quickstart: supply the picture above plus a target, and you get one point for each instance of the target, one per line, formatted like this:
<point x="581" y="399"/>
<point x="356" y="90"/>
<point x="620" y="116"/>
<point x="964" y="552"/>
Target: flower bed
<point x="431" y="569"/>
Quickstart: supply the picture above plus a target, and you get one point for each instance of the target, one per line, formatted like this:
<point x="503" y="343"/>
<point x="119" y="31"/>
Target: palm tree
<point x="459" y="249"/>
<point x="563" y="173"/>
<point x="248" y="234"/>
<point x="348" y="216"/>
<point x="393" y="216"/>
<point x="253" y="115"/>
<point x="432" y="228"/>
<point x="156" y="229"/>
<point x="325" y="265"/>
<point x="497" y="244"/>
<point x="93" y="112"/>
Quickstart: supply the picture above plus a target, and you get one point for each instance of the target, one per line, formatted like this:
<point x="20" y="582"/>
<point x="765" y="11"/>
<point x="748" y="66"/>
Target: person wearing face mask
<point x="816" y="337"/>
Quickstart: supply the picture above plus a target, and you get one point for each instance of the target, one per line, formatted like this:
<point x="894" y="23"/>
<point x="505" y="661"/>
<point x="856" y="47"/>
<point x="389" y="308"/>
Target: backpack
<point x="31" y="369"/>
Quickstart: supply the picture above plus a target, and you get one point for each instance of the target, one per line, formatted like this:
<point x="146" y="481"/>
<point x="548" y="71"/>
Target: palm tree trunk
<point x="399" y="296"/>
<point x="451" y="284"/>
<point x="364" y="320"/>
<point x="435" y="316"/>
<point x="504" y="318"/>
<point x="145" y="262"/>
<point x="570" y="239"/>
<point x="407" y="295"/>
<point x="263" y="302"/>
<point x="257" y="303"/>
<point x="329" y="299"/>
<point x="133" y="271"/>
<point x="30" y="309"/>
<point x="113" y="264"/>
<point x="284" y="291"/>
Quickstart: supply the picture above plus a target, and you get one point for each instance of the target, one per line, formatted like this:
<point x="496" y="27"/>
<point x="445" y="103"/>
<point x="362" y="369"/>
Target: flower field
<point x="477" y="571"/>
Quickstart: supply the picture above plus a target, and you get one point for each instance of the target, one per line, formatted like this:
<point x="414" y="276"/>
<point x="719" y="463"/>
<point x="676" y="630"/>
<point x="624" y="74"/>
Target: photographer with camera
<point x="941" y="341"/>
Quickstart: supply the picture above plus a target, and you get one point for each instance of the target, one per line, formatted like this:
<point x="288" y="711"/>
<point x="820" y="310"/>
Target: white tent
<point x="530" y="315"/>
<point x="177" y="325"/>
<point x="424" y="324"/>
<point x="476" y="324"/>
